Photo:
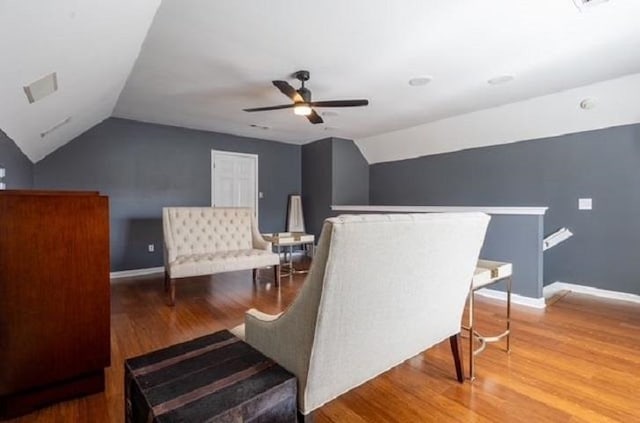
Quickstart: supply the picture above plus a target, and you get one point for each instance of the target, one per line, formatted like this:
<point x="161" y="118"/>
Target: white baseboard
<point x="136" y="272"/>
<point x="538" y="303"/>
<point x="554" y="288"/>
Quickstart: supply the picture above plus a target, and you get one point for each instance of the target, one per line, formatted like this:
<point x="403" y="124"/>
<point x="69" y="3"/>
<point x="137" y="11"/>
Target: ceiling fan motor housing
<point x="305" y="93"/>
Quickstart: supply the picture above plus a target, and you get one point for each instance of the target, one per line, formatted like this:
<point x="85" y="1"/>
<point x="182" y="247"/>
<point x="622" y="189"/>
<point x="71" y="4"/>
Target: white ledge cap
<point x="533" y="211"/>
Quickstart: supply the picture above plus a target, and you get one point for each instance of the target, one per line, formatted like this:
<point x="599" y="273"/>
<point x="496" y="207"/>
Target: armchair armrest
<point x="265" y="333"/>
<point x="258" y="241"/>
<point x="258" y="315"/>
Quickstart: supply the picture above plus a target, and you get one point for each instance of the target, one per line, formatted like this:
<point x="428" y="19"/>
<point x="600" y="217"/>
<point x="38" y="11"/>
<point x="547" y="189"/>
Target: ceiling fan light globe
<point x="302" y="110"/>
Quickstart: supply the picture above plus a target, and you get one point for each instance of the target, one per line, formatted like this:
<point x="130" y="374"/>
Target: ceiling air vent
<point x="587" y="4"/>
<point x="54" y="127"/>
<point x="41" y="88"/>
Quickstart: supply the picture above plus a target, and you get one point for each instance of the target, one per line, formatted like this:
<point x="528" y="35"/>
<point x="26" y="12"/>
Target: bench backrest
<point x="201" y="230"/>
<point x="381" y="289"/>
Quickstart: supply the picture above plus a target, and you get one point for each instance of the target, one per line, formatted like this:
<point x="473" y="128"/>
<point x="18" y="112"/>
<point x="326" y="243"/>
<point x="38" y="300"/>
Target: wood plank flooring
<point x="576" y="361"/>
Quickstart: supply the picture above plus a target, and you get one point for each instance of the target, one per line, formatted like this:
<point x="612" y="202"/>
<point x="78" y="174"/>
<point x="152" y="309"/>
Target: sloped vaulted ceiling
<point x="91" y="45"/>
<point x="203" y="61"/>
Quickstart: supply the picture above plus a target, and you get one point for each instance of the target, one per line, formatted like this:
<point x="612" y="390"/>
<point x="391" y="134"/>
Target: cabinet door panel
<point x="54" y="288"/>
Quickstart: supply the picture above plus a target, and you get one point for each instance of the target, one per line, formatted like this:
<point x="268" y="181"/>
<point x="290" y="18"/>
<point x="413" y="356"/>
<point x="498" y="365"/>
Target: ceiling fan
<point x="302" y="104"/>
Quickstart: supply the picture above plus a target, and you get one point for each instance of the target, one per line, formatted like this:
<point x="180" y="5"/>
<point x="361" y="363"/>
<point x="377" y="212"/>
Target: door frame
<point x="243" y="155"/>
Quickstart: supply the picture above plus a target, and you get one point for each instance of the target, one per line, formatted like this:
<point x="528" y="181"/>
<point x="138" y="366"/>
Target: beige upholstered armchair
<point x="381" y="289"/>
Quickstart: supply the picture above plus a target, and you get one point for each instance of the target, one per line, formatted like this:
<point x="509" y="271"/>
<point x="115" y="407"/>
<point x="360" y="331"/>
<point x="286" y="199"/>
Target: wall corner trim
<point x="136" y="272"/>
<point x="535" y="211"/>
<point x="558" y="286"/>
<point x="532" y="302"/>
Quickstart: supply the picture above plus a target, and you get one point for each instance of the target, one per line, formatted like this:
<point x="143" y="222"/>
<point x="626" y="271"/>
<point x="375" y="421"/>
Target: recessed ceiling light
<point x="501" y="79"/>
<point x="259" y="127"/>
<point x="584" y="4"/>
<point x="588" y="104"/>
<point x="420" y="81"/>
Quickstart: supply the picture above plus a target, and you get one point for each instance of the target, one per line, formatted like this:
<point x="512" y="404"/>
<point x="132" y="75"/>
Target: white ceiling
<point x="92" y="45"/>
<point x="204" y="61"/>
<point x="615" y="103"/>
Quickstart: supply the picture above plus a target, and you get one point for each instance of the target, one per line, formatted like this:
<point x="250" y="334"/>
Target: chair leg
<point x="255" y="275"/>
<point x="172" y="292"/>
<point x="306" y="418"/>
<point x="276" y="274"/>
<point x="471" y="339"/>
<point x="166" y="281"/>
<point x="456" y="351"/>
<point x="509" y="281"/>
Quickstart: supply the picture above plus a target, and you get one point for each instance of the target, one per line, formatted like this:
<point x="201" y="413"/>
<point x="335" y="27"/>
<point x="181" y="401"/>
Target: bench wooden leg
<point x="255" y="275"/>
<point x="276" y="274"/>
<point x="172" y="292"/>
<point x="166" y="281"/>
<point x="456" y="350"/>
<point x="306" y="418"/>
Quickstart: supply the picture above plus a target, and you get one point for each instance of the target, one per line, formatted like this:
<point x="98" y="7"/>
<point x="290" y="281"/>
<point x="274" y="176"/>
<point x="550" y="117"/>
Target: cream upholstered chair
<point x="381" y="289"/>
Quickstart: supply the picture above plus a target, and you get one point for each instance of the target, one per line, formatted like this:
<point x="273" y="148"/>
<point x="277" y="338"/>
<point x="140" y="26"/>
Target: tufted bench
<point x="207" y="240"/>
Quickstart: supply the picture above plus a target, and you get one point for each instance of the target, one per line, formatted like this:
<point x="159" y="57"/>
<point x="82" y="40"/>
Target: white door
<point x="234" y="181"/>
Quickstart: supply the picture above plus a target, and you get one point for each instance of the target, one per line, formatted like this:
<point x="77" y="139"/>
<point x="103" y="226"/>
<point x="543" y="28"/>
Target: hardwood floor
<point x="577" y="361"/>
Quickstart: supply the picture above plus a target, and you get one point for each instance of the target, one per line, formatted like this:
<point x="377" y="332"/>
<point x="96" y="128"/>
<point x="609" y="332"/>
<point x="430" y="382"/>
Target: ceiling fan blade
<point x="288" y="90"/>
<point x="262" y="109"/>
<point x="340" y="103"/>
<point x="314" y="117"/>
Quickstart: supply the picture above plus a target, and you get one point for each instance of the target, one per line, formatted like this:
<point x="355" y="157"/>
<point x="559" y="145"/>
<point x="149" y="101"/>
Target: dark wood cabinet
<point x="54" y="297"/>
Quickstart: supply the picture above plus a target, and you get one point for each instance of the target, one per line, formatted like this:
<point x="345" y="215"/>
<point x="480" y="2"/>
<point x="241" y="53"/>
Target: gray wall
<point x="554" y="172"/>
<point x="143" y="167"/>
<point x="316" y="184"/>
<point x="19" y="169"/>
<point x="517" y="240"/>
<point x="350" y="174"/>
<point x="334" y="171"/>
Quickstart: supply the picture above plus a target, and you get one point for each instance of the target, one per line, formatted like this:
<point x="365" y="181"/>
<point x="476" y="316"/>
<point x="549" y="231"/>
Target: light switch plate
<point x="585" y="204"/>
<point x="2" y="172"/>
<point x="260" y="195"/>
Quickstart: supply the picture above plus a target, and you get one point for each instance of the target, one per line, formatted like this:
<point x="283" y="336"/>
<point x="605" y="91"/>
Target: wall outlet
<point x="151" y="248"/>
<point x="585" y="204"/>
<point x="260" y="195"/>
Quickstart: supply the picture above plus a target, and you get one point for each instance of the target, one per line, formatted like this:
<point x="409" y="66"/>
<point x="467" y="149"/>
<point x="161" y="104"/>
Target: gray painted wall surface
<point x="554" y="172"/>
<point x="350" y="174"/>
<point x="316" y="184"/>
<point x="19" y="169"/>
<point x="517" y="240"/>
<point x="333" y="172"/>
<point x="143" y="167"/>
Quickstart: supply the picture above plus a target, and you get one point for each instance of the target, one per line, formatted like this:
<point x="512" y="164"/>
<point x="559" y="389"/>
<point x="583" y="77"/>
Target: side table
<point x="215" y="378"/>
<point x="486" y="274"/>
<point x="282" y="241"/>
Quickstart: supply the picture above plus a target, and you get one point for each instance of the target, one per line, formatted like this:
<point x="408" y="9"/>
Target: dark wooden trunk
<point x="215" y="378"/>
